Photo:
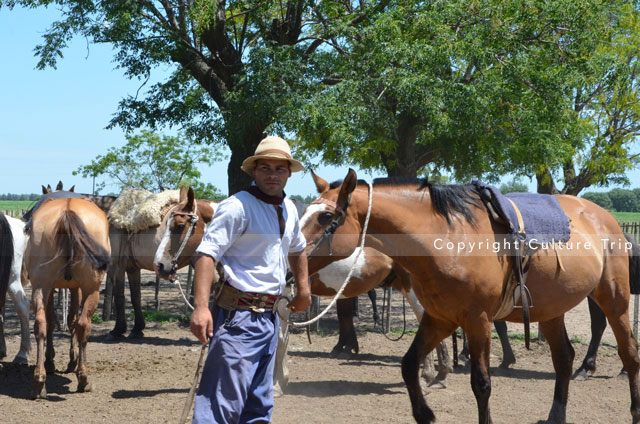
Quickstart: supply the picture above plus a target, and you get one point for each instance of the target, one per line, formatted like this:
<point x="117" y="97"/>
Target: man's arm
<point x="201" y="319"/>
<point x="298" y="265"/>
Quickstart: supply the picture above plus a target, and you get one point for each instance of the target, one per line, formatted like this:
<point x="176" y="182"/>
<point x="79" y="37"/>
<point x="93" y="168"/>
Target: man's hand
<point x="300" y="302"/>
<point x="202" y="324"/>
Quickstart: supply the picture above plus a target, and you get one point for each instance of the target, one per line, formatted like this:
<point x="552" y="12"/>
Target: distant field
<point x="627" y="216"/>
<point x="15" y="206"/>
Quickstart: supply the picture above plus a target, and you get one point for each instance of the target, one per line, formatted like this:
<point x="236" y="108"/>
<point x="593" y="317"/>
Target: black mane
<point x="449" y="199"/>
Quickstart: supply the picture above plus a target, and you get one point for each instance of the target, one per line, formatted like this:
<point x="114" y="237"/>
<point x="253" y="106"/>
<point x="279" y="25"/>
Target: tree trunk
<point x="242" y="146"/>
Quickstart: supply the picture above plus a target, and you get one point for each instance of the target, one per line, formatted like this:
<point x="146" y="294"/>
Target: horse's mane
<point x="449" y="199"/>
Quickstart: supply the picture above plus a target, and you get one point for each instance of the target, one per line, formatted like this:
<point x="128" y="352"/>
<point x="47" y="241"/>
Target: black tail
<point x="6" y="257"/>
<point x="634" y="264"/>
<point x="74" y="242"/>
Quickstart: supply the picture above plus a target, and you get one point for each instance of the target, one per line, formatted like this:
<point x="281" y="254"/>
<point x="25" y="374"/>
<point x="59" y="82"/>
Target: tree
<point x="151" y="162"/>
<point x="599" y="198"/>
<point x="514" y="186"/>
<point x="483" y="88"/>
<point x="624" y="200"/>
<point x="236" y="64"/>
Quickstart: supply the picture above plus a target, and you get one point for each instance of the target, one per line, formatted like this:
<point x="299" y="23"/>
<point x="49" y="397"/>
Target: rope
<point x="353" y="266"/>
<point x="404" y="316"/>
<point x="176" y="281"/>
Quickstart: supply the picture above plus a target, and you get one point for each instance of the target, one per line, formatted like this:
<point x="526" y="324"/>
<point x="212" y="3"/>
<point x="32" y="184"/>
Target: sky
<point x="53" y="121"/>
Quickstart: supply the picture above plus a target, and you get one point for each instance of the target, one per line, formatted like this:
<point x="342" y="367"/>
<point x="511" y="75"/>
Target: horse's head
<point x="183" y="230"/>
<point x="47" y="189"/>
<point x="331" y="223"/>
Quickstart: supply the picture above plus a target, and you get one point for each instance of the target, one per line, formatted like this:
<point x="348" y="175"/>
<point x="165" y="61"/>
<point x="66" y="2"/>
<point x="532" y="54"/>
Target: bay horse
<point x="11" y="251"/>
<point x="68" y="247"/>
<point x="133" y="251"/>
<point x="458" y="289"/>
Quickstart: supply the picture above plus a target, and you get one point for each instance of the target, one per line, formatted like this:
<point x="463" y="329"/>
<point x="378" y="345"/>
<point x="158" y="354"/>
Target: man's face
<point x="271" y="175"/>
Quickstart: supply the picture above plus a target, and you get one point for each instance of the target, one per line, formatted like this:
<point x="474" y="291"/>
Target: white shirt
<point x="244" y="235"/>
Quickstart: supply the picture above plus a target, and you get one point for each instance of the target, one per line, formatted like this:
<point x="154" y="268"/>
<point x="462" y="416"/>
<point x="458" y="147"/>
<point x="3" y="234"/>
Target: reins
<point x="193" y="220"/>
<point x="328" y="234"/>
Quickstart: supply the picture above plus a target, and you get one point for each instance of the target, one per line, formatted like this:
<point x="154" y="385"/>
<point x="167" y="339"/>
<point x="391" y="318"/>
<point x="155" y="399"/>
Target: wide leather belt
<point x="232" y="298"/>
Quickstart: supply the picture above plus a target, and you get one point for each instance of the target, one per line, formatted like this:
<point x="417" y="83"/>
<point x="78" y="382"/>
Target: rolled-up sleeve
<point x="227" y="225"/>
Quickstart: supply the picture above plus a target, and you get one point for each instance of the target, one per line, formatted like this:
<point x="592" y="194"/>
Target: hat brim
<point x="249" y="163"/>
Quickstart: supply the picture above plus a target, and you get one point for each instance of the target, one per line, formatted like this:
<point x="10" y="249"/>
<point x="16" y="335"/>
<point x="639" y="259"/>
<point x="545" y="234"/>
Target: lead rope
<point x="346" y="281"/>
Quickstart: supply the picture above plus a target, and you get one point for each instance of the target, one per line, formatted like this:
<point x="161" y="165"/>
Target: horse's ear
<point x="191" y="198"/>
<point x="321" y="185"/>
<point x="73" y="187"/>
<point x="183" y="194"/>
<point x="45" y="191"/>
<point x="347" y="187"/>
<point x="59" y="186"/>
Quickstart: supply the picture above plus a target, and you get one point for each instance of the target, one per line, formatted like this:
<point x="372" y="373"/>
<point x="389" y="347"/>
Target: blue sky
<point x="53" y="121"/>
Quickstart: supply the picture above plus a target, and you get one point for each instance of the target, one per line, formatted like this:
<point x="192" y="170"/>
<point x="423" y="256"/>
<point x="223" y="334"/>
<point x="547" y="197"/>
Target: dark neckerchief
<point x="272" y="200"/>
<point x="259" y="194"/>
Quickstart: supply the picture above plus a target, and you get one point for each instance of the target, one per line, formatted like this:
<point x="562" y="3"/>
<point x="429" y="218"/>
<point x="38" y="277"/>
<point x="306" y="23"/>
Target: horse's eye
<point x="325" y="218"/>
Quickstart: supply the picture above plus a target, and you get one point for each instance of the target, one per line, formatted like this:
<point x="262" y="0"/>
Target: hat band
<point x="269" y="151"/>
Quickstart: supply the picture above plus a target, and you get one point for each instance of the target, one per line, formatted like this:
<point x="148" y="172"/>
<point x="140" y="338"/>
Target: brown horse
<point x="133" y="251"/>
<point x="68" y="247"/>
<point x="464" y="290"/>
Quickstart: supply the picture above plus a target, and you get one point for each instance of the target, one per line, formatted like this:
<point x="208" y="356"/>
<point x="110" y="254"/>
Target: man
<point x="251" y="235"/>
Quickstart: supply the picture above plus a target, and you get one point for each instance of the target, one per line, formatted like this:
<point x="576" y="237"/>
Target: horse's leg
<point x="445" y="366"/>
<point x="562" y="354"/>
<point x="627" y="349"/>
<point x="3" y="345"/>
<point x="72" y="321"/>
<point x="428" y="371"/>
<point x="136" y="302"/>
<point x="508" y="358"/>
<point x="49" y="363"/>
<point x="373" y="296"/>
<point x="464" y="353"/>
<point x="40" y="331"/>
<point x="431" y="332"/>
<point x="22" y="308"/>
<point x="83" y="330"/>
<point x="356" y="311"/>
<point x="118" y="299"/>
<point x="598" y="325"/>
<point x="478" y="330"/>
<point x="347" y="340"/>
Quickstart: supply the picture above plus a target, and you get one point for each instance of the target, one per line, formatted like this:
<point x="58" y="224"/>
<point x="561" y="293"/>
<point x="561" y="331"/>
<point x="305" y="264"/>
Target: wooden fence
<point x="633" y="228"/>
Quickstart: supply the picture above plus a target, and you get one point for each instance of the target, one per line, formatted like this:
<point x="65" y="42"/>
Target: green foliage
<point x="96" y="319"/>
<point x="305" y="199"/>
<point x="627" y="216"/>
<point x="599" y="198"/>
<point x="624" y="200"/>
<point x="20" y="197"/>
<point x="514" y="186"/>
<point x="151" y="162"/>
<point x="164" y="317"/>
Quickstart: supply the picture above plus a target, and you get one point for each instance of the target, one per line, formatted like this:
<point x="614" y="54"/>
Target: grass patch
<point x="165" y="317"/>
<point x="16" y="205"/>
<point x="96" y="319"/>
<point x="627" y="216"/>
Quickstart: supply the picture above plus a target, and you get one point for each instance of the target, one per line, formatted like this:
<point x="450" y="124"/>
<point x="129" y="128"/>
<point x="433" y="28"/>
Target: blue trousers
<point x="237" y="378"/>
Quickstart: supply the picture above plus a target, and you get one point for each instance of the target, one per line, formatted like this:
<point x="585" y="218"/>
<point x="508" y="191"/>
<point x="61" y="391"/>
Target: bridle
<point x="331" y="228"/>
<point x="193" y="220"/>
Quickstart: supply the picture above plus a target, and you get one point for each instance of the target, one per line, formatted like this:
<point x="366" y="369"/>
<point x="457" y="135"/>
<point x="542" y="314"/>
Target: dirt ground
<point x="147" y="381"/>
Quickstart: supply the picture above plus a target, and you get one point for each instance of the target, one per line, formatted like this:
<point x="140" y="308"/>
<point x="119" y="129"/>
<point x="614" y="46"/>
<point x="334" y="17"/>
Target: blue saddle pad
<point x="544" y="220"/>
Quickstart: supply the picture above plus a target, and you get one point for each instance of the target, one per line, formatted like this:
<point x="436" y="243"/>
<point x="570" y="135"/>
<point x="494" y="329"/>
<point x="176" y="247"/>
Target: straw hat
<point x="271" y="148"/>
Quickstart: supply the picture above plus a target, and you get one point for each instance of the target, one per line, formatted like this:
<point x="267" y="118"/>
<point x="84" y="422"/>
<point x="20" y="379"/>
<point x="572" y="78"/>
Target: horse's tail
<point x="74" y="241"/>
<point x="6" y="257"/>
<point x="634" y="264"/>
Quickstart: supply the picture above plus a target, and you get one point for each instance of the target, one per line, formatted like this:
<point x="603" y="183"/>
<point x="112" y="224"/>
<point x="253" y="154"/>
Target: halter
<point x="330" y="229"/>
<point x="328" y="232"/>
<point x="193" y="220"/>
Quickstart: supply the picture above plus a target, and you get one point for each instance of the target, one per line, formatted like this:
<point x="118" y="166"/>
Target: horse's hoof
<point x="71" y="367"/>
<point x="623" y="375"/>
<point x="463" y="358"/>
<point x="39" y="392"/>
<point x="50" y="368"/>
<point x="277" y="391"/>
<point x="135" y="335"/>
<point x="113" y="337"/>
<point x="505" y="365"/>
<point x="87" y="387"/>
<point x="581" y="375"/>
<point x="438" y="384"/>
<point x="20" y="360"/>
